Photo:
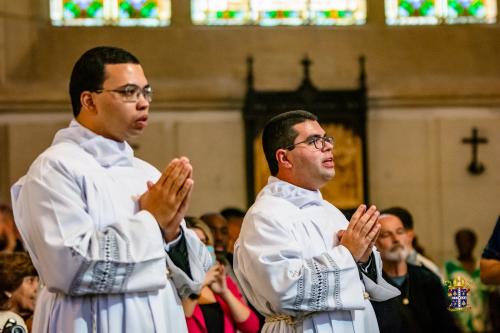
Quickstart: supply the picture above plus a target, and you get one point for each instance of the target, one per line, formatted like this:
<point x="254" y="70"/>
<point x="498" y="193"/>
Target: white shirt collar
<point x="299" y="196"/>
<point x="106" y="151"/>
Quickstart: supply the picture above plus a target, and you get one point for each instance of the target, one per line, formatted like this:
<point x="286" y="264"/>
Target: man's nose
<point x="142" y="102"/>
<point x="327" y="146"/>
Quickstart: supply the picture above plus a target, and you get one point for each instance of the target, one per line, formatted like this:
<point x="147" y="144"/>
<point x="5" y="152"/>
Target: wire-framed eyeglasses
<point x="318" y="142"/>
<point x="131" y="93"/>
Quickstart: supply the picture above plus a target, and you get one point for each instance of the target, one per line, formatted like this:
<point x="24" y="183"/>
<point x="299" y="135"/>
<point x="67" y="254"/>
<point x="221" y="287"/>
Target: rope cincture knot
<point x="289" y="320"/>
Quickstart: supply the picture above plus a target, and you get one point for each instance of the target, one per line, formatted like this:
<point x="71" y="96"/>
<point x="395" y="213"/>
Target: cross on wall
<point x="475" y="167"/>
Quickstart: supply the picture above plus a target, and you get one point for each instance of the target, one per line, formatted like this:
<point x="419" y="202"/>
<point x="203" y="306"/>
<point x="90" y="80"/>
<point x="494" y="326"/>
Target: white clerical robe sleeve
<point x="72" y="253"/>
<point x="379" y="290"/>
<point x="271" y="257"/>
<point x="200" y="262"/>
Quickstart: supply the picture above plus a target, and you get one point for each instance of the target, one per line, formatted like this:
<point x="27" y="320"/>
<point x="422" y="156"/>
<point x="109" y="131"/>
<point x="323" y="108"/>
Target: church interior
<point x="428" y="86"/>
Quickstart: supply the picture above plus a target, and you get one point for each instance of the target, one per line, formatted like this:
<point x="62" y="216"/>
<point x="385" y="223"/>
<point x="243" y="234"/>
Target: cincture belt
<point x="289" y="320"/>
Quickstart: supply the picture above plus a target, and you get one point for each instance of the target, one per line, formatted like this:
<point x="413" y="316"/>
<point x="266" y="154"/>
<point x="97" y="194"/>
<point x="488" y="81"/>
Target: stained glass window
<point x="414" y="12"/>
<point x="278" y="12"/>
<point x="471" y="11"/>
<point x="110" y="12"/>
<point x="220" y="12"/>
<point x="143" y="12"/>
<point x="81" y="12"/>
<point x="337" y="12"/>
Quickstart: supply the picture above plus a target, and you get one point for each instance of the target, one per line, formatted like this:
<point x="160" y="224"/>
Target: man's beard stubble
<point x="397" y="253"/>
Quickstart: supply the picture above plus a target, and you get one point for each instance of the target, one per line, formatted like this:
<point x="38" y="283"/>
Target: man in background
<point x="234" y="217"/>
<point x="219" y="228"/>
<point x="422" y="305"/>
<point x="415" y="251"/>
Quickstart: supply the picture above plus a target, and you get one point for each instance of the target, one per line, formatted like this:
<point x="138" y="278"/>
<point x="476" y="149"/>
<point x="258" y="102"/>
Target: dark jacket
<point x="427" y="310"/>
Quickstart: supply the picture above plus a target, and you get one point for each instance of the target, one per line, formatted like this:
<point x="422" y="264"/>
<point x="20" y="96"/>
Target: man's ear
<point x="87" y="101"/>
<point x="282" y="158"/>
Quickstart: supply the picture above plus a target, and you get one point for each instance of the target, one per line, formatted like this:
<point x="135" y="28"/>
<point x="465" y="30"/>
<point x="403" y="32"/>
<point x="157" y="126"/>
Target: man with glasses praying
<point x="298" y="260"/>
<point x="105" y="229"/>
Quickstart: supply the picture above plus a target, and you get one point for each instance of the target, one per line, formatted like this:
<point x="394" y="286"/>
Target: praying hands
<point x="361" y="234"/>
<point x="167" y="199"/>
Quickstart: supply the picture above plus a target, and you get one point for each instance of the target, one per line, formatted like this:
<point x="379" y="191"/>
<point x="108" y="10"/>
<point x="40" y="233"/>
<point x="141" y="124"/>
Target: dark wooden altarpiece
<point x="342" y="113"/>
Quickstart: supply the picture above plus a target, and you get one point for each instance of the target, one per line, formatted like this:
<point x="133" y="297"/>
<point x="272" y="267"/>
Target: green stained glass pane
<point x="110" y="12"/>
<point x="416" y="8"/>
<point x="228" y="14"/>
<point x="471" y="11"/>
<point x="138" y="9"/>
<point x="143" y="12"/>
<point x="220" y="12"/>
<point x="279" y="12"/>
<point x="475" y="8"/>
<point x="413" y="12"/>
<point x="337" y="12"/>
<point x="82" y="9"/>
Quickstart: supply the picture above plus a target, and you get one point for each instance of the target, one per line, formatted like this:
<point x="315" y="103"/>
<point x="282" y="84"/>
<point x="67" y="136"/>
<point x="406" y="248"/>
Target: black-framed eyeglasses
<point x="131" y="93"/>
<point x="318" y="142"/>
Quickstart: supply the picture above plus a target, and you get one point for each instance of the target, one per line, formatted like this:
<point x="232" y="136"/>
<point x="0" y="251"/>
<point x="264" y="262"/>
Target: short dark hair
<point x="207" y="217"/>
<point x="402" y="213"/>
<point x="230" y="212"/>
<point x="14" y="267"/>
<point x="88" y="72"/>
<point x="469" y="234"/>
<point x="279" y="133"/>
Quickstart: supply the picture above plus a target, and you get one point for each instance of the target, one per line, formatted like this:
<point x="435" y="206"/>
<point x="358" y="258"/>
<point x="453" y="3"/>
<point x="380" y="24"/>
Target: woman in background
<point x="220" y="306"/>
<point x="18" y="288"/>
